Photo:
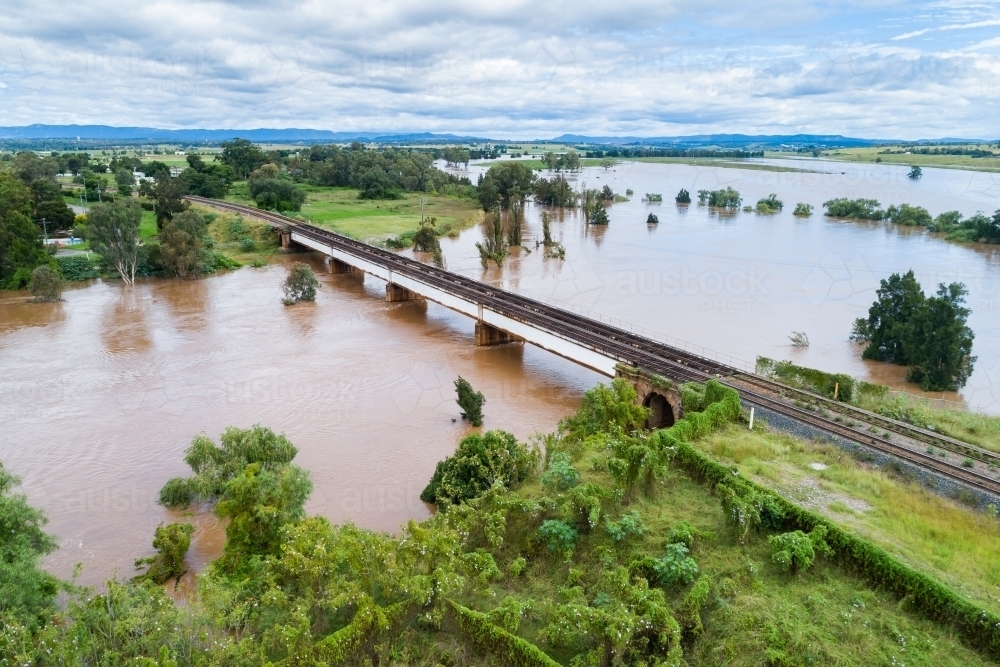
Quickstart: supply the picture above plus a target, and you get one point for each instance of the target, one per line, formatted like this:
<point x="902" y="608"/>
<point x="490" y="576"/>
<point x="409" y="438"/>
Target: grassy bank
<point x="935" y="535"/>
<point x="340" y="210"/>
<point x="872" y="154"/>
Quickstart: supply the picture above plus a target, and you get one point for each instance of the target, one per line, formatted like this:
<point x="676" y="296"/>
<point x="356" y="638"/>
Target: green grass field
<point x="340" y="210"/>
<point x="944" y="539"/>
<point x="946" y="161"/>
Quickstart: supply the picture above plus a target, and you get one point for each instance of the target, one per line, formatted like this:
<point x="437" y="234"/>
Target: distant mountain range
<point x="107" y="133"/>
<point x="291" y="135"/>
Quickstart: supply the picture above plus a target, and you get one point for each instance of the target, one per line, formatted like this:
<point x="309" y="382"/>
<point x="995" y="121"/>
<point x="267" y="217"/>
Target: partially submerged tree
<point x="470" y="400"/>
<point x="683" y="197"/>
<point x="171" y="543"/>
<point x="929" y="335"/>
<point x="46" y="284"/>
<point x="300" y="285"/>
<point x="113" y="232"/>
<point x="181" y="244"/>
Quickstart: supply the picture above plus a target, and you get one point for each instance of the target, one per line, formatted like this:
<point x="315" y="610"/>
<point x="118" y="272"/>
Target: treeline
<point x="978" y="228"/>
<point x="378" y="174"/>
<point x="941" y="150"/>
<point x="625" y="152"/>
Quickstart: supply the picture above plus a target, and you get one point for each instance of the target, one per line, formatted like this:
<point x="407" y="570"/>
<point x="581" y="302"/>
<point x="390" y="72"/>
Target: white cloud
<point x="500" y="68"/>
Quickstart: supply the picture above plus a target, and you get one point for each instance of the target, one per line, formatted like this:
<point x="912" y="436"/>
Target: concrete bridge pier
<point x="655" y="392"/>
<point x="490" y="335"/>
<point x="394" y="292"/>
<point x="287" y="244"/>
<point x="336" y="266"/>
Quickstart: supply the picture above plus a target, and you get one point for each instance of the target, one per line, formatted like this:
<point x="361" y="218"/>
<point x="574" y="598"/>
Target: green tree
<point x="898" y="299"/>
<point x="915" y="172"/>
<point x="470" y="400"/>
<point x="300" y="285"/>
<point x="125" y="181"/>
<point x="242" y="156"/>
<point x="26" y="591"/>
<point x="258" y="503"/>
<point x="46" y="284"/>
<point x="181" y="243"/>
<point x="599" y="215"/>
<point x="683" y="197"/>
<point x="272" y="191"/>
<point x="21" y="247"/>
<point x="113" y="232"/>
<point x="168" y="198"/>
<point x="937" y="345"/>
<point x="503" y="183"/>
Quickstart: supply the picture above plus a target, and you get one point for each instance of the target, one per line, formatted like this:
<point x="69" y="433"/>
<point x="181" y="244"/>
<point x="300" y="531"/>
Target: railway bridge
<point x="654" y="368"/>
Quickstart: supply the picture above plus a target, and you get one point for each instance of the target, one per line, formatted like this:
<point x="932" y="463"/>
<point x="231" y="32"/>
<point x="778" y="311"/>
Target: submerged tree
<point x="599" y="215"/>
<point x="929" y="335"/>
<point x="171" y="543"/>
<point x="492" y="246"/>
<point x="683" y="197"/>
<point x="181" y="244"/>
<point x="915" y="172"/>
<point x="300" y="285"/>
<point x="113" y="232"/>
<point x="46" y="284"/>
<point x="470" y="400"/>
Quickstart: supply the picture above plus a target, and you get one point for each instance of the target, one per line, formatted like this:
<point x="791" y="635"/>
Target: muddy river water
<point x="100" y="394"/>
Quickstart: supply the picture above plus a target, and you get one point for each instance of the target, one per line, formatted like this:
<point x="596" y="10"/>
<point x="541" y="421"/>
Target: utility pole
<point x="45" y="227"/>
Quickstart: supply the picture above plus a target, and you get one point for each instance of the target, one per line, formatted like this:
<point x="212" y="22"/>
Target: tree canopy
<point x="504" y="183"/>
<point x="929" y="335"/>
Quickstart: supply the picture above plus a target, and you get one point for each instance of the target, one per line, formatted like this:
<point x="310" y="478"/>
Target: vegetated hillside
<point x="617" y="547"/>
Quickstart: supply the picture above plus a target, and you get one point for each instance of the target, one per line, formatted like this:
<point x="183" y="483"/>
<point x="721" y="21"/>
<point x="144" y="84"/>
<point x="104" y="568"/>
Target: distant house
<point x="176" y="171"/>
<point x="140" y="177"/>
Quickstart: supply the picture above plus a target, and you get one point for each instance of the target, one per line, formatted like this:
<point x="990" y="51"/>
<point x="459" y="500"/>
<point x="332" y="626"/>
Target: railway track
<point x="664" y="359"/>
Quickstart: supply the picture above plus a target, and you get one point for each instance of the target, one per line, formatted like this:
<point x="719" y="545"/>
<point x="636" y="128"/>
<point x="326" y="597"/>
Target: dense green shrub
<point x="482" y="460"/>
<point x="908" y="216"/>
<point x="560" y="474"/>
<point x="503" y="646"/>
<point x="861" y="209"/>
<point x="76" y="267"/>
<point x="683" y="197"/>
<point x="557" y="536"/>
<point x="769" y="204"/>
<point x="627" y="526"/>
<point x="795" y="551"/>
<point x="824" y="384"/>
<point x="803" y="210"/>
<point x="171" y="543"/>
<point x="727" y="198"/>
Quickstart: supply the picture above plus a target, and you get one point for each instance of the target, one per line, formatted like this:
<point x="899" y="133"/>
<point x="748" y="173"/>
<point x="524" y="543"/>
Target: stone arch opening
<point x="661" y="414"/>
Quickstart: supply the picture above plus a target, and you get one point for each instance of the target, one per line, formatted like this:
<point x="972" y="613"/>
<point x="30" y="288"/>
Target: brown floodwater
<point x="739" y="284"/>
<point x="101" y="394"/>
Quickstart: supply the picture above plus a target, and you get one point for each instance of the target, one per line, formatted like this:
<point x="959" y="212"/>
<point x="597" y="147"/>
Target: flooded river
<point x="100" y="394"/>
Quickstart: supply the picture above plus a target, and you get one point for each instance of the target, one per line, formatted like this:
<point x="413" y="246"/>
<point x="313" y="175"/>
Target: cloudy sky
<point x="512" y="68"/>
